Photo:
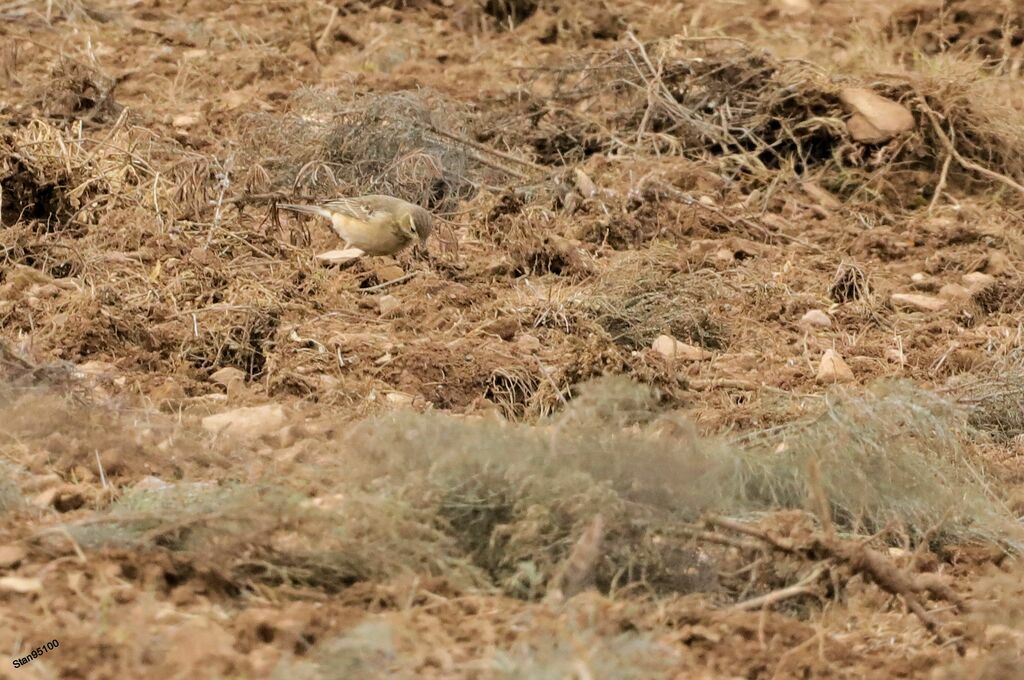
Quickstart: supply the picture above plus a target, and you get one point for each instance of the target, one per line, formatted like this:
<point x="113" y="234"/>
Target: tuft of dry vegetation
<point x="587" y="433"/>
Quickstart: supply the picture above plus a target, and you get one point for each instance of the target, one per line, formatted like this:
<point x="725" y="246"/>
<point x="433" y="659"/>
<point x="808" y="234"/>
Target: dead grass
<point x="644" y="296"/>
<point x="992" y="397"/>
<point x="414" y="145"/>
<point x="894" y="457"/>
<point x="287" y="539"/>
<point x="611" y="172"/>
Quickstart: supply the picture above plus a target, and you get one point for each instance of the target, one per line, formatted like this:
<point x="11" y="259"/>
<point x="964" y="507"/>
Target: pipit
<point x="375" y="224"/>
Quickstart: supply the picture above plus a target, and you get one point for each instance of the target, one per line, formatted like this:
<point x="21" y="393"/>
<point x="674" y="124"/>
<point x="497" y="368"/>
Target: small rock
<point x="725" y="255"/>
<point x="184" y="120"/>
<point x="20" y="584"/>
<point x="227" y="376"/>
<point x="896" y="355"/>
<point x="246" y="423"/>
<point x="388" y="272"/>
<point x="150" y="483"/>
<point x="340" y="257"/>
<point x="670" y="348"/>
<point x="528" y="343"/>
<point x="169" y="391"/>
<point x="388" y="305"/>
<point x="505" y="328"/>
<point x="816" y="317"/>
<point x="924" y="282"/>
<point x="399" y="398"/>
<point x="924" y="303"/>
<point x="11" y="555"/>
<point x="824" y="198"/>
<point x="45" y="499"/>
<point x="997" y="263"/>
<point x="875" y="119"/>
<point x="833" y="369"/>
<point x="585" y="185"/>
<point x="954" y="291"/>
<point x="793" y="7"/>
<point x="96" y="369"/>
<point x="977" y="280"/>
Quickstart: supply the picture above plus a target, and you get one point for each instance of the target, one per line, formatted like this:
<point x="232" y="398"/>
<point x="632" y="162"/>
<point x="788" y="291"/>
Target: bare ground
<point x="414" y="467"/>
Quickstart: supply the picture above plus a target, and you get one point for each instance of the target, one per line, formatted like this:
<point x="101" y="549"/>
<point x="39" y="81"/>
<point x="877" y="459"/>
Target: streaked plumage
<point x="376" y="224"/>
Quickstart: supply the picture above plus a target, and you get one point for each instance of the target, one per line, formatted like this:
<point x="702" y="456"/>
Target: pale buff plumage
<point x="375" y="224"/>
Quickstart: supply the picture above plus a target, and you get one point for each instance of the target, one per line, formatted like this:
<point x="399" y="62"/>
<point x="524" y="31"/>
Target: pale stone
<point x="822" y="196"/>
<point x="150" y="483"/>
<point x="585" y="185"/>
<point x="793" y="7"/>
<point x="96" y="369"/>
<point x="816" y="317"/>
<point x="247" y="422"/>
<point x="669" y="347"/>
<point x="339" y="257"/>
<point x="20" y="584"/>
<point x="184" y="120"/>
<point x="388" y="305"/>
<point x="388" y="272"/>
<point x="976" y="280"/>
<point x="954" y="291"/>
<point x="399" y="399"/>
<point x="924" y="303"/>
<point x="997" y="263"/>
<point x="10" y="555"/>
<point x="875" y="118"/>
<point x="833" y="369"/>
<point x="528" y="343"/>
<point x="228" y="375"/>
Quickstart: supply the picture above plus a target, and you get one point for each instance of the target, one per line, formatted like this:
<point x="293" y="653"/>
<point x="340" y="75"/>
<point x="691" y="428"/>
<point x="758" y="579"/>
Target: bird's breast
<point x="373" y="237"/>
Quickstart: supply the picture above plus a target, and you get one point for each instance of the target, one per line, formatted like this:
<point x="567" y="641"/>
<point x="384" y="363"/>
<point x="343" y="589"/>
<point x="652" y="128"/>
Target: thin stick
<point x="99" y="464"/>
<point x="327" y="29"/>
<point x="942" y="182"/>
<point x="485" y="149"/>
<point x="804" y="587"/>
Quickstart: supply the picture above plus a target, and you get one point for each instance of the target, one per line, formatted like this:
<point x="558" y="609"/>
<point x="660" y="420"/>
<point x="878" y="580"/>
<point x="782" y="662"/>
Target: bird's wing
<point x="305" y="209"/>
<point x="362" y="208"/>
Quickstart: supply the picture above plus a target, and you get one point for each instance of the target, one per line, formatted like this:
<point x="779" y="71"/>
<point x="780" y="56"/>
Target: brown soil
<point x="603" y="174"/>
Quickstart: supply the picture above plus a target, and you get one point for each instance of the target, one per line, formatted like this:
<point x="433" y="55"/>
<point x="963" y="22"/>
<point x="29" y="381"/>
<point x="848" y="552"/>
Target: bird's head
<point x="418" y="223"/>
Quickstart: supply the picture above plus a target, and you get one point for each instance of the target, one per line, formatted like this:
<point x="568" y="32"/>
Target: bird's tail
<point x="306" y="209"/>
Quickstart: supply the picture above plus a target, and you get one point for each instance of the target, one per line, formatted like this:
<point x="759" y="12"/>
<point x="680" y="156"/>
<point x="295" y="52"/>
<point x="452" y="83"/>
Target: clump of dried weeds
<point x="413" y="145"/>
<point x="895" y="456"/>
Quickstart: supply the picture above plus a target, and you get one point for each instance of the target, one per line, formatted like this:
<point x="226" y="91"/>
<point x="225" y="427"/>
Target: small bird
<point x="375" y="224"/>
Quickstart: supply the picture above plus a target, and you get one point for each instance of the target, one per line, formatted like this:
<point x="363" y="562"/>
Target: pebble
<point x="11" y="555"/>
<point x="20" y="584"/>
<point x="228" y="375"/>
<point x="339" y="257"/>
<point x="954" y="291"/>
<point x="976" y="280"/>
<point x="833" y="369"/>
<point x="248" y="422"/>
<point x="388" y="305"/>
<point x="875" y="118"/>
<point x="816" y="317"/>
<point x="669" y="347"/>
<point x="924" y="303"/>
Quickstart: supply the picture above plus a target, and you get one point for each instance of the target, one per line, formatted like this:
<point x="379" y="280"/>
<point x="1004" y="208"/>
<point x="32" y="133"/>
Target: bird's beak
<point x="420" y="249"/>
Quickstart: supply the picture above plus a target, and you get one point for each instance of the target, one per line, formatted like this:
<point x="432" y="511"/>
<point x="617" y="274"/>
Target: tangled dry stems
<point x="493" y="504"/>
